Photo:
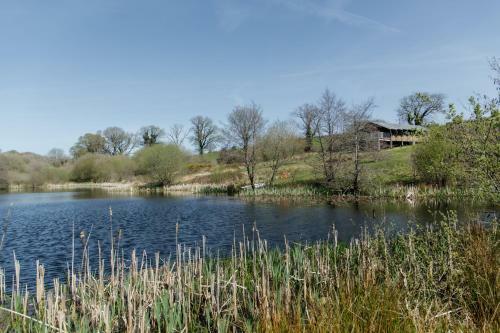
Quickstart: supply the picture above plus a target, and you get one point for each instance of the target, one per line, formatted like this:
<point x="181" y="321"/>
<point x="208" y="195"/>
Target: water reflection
<point x="40" y="224"/>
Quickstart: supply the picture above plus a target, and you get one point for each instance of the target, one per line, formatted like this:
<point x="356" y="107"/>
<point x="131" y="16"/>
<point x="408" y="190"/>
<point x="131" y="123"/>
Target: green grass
<point x="387" y="173"/>
<point x="444" y="278"/>
<point x="210" y="157"/>
<point x="385" y="168"/>
<point x="393" y="166"/>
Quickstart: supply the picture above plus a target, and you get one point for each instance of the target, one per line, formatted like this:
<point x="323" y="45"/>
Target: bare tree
<point x="118" y="142"/>
<point x="57" y="156"/>
<point x="357" y="136"/>
<point x="418" y="108"/>
<point x="279" y="144"/>
<point x="204" y="133"/>
<point x="245" y="126"/>
<point x="329" y="124"/>
<point x="307" y="114"/>
<point x="495" y="66"/>
<point x="177" y="134"/>
<point x="150" y="135"/>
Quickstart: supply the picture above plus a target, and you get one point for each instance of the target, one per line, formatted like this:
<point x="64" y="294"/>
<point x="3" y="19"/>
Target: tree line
<point x="324" y="118"/>
<point x="333" y="130"/>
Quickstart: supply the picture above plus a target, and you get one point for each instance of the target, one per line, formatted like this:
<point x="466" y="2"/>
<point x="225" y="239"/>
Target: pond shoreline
<point x="298" y="237"/>
<point x="312" y="282"/>
<point x="409" y="193"/>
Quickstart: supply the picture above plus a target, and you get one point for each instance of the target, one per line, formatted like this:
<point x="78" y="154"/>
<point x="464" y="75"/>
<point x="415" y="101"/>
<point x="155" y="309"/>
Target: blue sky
<point x="70" y="67"/>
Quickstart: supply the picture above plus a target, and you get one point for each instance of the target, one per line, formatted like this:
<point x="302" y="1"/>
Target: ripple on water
<point x="40" y="226"/>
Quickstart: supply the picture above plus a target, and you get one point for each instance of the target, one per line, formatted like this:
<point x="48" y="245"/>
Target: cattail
<point x="40" y="284"/>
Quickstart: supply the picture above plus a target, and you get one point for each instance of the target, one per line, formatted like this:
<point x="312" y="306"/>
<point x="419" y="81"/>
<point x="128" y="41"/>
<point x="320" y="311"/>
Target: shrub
<point x="230" y="156"/>
<point x="434" y="158"/>
<point x="161" y="163"/>
<point x="102" y="168"/>
<point x="464" y="152"/>
<point x="14" y="161"/>
<point x="50" y="174"/>
<point x="117" y="168"/>
<point x="85" y="169"/>
<point x="28" y="169"/>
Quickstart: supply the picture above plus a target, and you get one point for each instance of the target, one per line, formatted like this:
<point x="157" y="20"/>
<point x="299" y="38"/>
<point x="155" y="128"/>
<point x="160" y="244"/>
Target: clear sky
<point x="73" y="66"/>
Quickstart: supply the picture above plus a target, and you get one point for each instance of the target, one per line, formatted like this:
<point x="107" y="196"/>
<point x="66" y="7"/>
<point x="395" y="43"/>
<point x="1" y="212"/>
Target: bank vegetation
<point x="441" y="278"/>
<point x="327" y="146"/>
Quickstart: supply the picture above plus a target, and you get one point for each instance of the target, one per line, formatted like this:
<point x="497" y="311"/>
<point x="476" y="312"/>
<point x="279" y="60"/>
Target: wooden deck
<point x="401" y="138"/>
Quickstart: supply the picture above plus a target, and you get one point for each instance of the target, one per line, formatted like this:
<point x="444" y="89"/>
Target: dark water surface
<point x="39" y="225"/>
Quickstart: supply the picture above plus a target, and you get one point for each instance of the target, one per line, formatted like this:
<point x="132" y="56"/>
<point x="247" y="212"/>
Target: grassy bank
<point x="386" y="174"/>
<point x="114" y="187"/>
<point x="25" y="170"/>
<point x="317" y="192"/>
<point x="444" y="278"/>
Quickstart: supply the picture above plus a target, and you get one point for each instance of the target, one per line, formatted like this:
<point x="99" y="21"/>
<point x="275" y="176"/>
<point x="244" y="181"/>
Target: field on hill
<point x="386" y="167"/>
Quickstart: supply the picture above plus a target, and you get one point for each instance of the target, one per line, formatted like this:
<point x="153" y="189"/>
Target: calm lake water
<point x="39" y="225"/>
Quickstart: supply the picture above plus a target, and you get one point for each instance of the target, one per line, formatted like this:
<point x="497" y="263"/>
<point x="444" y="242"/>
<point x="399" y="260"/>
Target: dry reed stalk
<point x="40" y="283"/>
<point x="2" y="286"/>
<point x="407" y="282"/>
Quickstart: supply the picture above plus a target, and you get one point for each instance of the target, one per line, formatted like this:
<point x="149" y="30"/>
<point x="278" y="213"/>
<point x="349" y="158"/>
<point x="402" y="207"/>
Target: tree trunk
<point x="274" y="169"/>
<point x="309" y="140"/>
<point x="355" y="185"/>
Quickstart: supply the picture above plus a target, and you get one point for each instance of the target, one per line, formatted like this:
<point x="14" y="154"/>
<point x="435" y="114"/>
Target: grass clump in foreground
<point x="443" y="278"/>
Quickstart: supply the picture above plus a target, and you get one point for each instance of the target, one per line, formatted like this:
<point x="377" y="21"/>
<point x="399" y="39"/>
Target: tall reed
<point x="442" y="278"/>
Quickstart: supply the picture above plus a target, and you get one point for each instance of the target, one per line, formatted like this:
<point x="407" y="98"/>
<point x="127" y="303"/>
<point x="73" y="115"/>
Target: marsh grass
<point x="427" y="192"/>
<point x="444" y="277"/>
<point x="287" y="192"/>
<point x="197" y="189"/>
<point x="318" y="192"/>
